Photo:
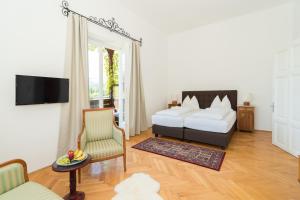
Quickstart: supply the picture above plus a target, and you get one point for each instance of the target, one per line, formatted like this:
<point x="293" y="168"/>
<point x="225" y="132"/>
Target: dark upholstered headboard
<point x="205" y="98"/>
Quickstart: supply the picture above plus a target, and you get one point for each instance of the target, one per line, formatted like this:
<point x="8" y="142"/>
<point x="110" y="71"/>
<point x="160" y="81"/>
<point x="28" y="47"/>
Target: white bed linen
<point x="175" y="112"/>
<point x="213" y="113"/>
<point x="212" y="125"/>
<point x="170" y="121"/>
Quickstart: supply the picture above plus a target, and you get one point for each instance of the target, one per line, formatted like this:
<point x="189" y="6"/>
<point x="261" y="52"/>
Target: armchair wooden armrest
<point x="17" y="161"/>
<point x="81" y="140"/>
<point x="118" y="134"/>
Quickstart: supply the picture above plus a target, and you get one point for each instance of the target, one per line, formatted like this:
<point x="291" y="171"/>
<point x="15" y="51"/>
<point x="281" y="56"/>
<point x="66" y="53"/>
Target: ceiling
<point x="173" y="16"/>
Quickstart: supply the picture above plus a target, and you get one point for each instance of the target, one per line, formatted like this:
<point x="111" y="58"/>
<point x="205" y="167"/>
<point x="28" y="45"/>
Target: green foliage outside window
<point x="94" y="91"/>
<point x="112" y="74"/>
<point x="92" y="47"/>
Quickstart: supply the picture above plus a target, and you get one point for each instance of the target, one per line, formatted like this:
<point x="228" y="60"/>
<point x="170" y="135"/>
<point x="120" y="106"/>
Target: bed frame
<point x="205" y="99"/>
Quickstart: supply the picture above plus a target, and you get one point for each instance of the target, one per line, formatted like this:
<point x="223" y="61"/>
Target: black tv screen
<point x="40" y="90"/>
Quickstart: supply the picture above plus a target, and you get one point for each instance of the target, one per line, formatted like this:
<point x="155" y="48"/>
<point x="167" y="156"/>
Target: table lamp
<point x="248" y="99"/>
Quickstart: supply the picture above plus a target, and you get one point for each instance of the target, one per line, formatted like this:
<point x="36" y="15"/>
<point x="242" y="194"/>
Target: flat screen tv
<point x="40" y="90"/>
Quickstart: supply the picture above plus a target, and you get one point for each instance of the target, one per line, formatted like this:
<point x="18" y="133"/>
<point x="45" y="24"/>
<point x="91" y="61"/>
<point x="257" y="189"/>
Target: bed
<point x="171" y="126"/>
<point x="221" y="126"/>
<point x="198" y="130"/>
<point x="205" y="99"/>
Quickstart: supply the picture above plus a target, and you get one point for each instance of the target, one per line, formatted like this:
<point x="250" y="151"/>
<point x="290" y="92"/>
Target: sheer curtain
<point x="137" y="111"/>
<point x="76" y="69"/>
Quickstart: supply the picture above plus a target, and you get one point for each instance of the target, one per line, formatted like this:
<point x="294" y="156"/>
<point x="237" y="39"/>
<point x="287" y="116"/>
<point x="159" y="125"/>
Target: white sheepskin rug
<point x="139" y="186"/>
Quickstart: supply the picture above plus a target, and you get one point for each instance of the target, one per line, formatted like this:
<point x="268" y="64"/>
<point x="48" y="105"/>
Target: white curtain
<point x="137" y="111"/>
<point x="76" y="69"/>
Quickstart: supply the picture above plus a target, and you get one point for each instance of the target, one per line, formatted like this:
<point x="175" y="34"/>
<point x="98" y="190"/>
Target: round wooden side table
<point x="74" y="194"/>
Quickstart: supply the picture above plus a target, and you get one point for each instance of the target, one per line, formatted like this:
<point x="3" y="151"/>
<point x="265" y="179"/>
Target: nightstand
<point x="170" y="105"/>
<point x="245" y="118"/>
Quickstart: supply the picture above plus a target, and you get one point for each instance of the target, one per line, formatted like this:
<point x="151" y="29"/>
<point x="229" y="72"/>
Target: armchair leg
<point x="79" y="176"/>
<point x="124" y="162"/>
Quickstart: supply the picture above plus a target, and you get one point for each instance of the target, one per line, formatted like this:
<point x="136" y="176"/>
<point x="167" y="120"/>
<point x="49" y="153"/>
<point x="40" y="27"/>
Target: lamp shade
<point x="249" y="97"/>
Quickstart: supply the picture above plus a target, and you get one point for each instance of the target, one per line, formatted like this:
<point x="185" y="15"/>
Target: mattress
<point x="170" y="121"/>
<point x="211" y="125"/>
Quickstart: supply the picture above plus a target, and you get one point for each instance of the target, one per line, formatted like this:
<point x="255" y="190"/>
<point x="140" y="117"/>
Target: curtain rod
<point x="109" y="24"/>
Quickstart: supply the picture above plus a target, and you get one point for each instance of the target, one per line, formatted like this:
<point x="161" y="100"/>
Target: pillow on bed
<point x="216" y="102"/>
<point x="186" y="102"/>
<point x="226" y="103"/>
<point x="194" y="104"/>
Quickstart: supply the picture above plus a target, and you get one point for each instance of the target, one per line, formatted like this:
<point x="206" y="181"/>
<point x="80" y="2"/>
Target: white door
<point x="286" y="116"/>
<point x="295" y="100"/>
<point x="123" y="87"/>
<point x="281" y="107"/>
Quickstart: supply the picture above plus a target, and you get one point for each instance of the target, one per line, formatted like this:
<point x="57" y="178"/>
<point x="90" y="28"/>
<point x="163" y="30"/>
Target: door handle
<point x="272" y="106"/>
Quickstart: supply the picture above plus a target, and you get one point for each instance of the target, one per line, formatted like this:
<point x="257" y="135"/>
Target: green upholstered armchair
<point x="14" y="184"/>
<point x="100" y="137"/>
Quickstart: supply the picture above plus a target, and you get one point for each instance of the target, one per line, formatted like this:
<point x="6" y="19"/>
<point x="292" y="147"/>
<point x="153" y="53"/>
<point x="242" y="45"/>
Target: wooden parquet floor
<point x="252" y="169"/>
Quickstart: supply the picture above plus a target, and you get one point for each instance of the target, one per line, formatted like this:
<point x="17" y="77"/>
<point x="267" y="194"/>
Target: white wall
<point x="296" y="19"/>
<point x="237" y="53"/>
<point x="232" y="54"/>
<point x="33" y="43"/>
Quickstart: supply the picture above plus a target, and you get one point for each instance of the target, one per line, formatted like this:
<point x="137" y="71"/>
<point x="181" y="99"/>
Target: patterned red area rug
<point x="204" y="157"/>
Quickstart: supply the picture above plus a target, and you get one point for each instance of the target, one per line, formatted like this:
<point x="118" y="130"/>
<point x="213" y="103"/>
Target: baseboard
<point x="266" y="131"/>
<point x="38" y="170"/>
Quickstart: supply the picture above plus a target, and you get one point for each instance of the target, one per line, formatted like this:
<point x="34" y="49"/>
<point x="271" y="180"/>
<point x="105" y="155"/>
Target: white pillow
<point x="186" y="102"/>
<point x="216" y="102"/>
<point x="226" y="103"/>
<point x="194" y="104"/>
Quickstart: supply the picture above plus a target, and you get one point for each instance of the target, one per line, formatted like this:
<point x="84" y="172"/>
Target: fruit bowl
<point x="65" y="160"/>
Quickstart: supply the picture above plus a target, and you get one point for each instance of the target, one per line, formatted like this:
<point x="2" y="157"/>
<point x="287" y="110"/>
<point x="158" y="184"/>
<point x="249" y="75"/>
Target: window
<point x="95" y="57"/>
<point x="106" y="78"/>
<point x="103" y="76"/>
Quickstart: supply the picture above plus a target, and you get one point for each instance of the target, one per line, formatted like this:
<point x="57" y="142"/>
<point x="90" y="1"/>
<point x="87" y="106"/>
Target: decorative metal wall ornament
<point x="65" y="8"/>
<point x="109" y="24"/>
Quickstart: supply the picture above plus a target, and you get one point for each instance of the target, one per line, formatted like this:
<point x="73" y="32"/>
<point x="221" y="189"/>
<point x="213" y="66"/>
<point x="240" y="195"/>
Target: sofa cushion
<point x="103" y="148"/>
<point x="30" y="191"/>
<point x="11" y="176"/>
